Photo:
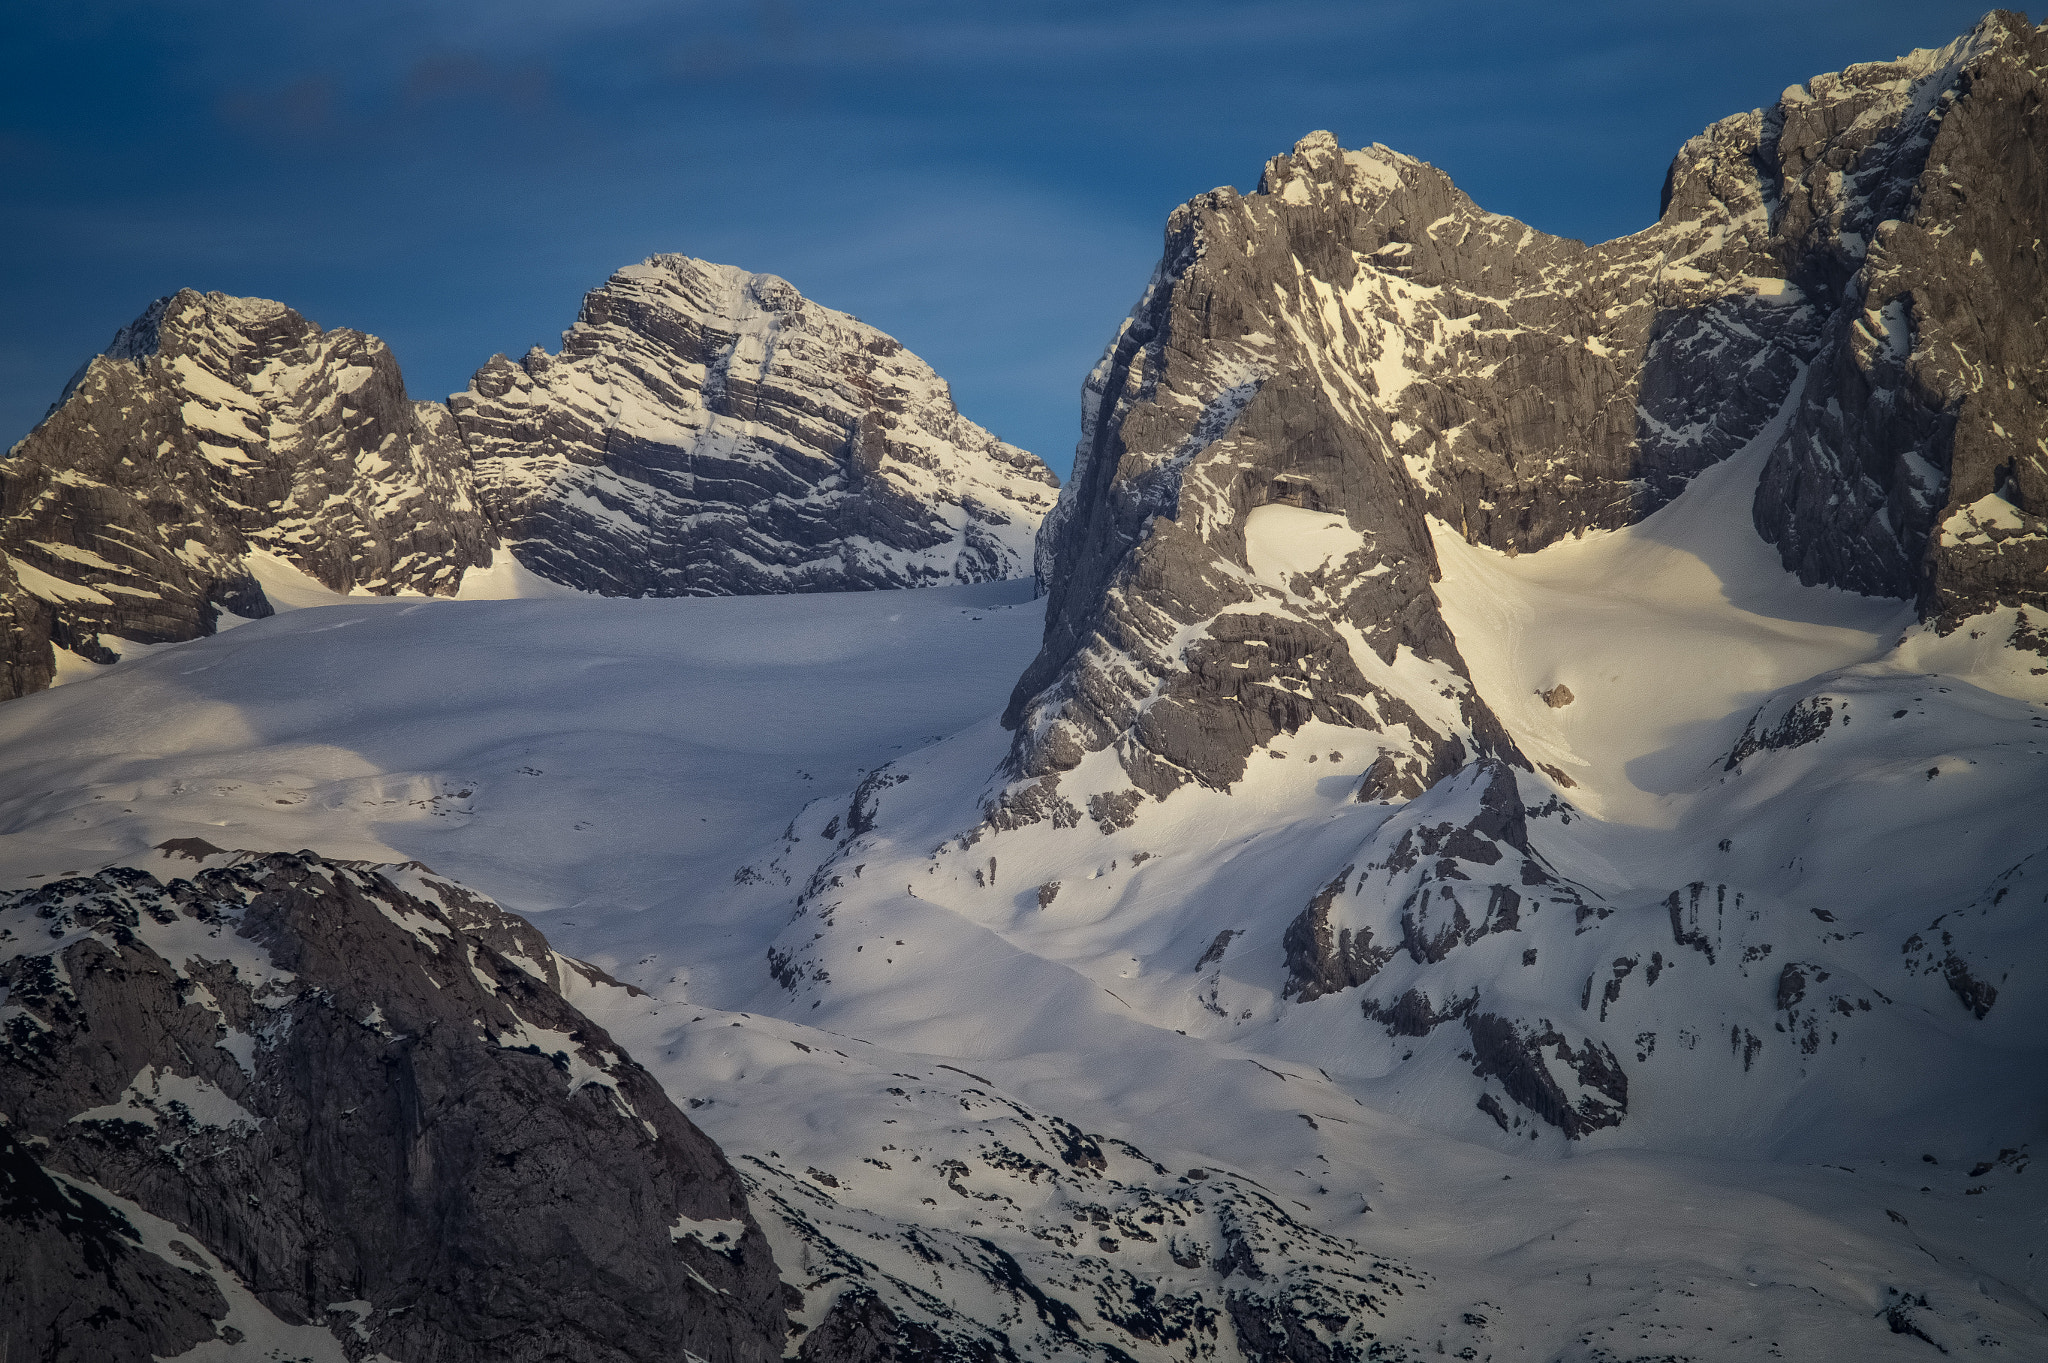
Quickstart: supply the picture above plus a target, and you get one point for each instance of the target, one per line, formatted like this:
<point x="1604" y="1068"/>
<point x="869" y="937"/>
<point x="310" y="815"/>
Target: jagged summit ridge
<point x="1359" y="341"/>
<point x="705" y="431"/>
<point x="1914" y="465"/>
<point x="210" y="428"/>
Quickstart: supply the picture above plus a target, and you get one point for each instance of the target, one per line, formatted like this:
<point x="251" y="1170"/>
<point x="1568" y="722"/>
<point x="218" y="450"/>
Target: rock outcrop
<point x="1098" y="1251"/>
<point x="1907" y="198"/>
<point x="1318" y="366"/>
<point x="706" y="432"/>
<point x="79" y="1282"/>
<point x="1448" y="869"/>
<point x="213" y="426"/>
<point x="1452" y="871"/>
<point x="362" y="1093"/>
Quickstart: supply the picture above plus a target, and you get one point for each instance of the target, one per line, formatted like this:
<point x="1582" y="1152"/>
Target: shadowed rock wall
<point x="363" y="1085"/>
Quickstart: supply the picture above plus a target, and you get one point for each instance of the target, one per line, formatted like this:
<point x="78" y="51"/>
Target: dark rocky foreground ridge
<point x="289" y="1091"/>
<point x="296" y="1107"/>
<point x="705" y="431"/>
<point x="1853" y="277"/>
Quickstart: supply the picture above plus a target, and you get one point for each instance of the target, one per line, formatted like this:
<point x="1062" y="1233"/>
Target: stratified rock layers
<point x="705" y="431"/>
<point x="213" y="426"/>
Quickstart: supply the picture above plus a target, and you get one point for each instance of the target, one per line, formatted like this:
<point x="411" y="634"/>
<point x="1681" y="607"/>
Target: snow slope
<point x="1666" y="634"/>
<point x="923" y="1034"/>
<point x="547" y="751"/>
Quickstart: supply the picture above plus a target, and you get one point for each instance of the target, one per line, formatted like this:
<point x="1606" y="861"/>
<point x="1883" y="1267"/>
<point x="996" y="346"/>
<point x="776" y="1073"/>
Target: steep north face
<point x="1915" y="464"/>
<point x="1356" y="346"/>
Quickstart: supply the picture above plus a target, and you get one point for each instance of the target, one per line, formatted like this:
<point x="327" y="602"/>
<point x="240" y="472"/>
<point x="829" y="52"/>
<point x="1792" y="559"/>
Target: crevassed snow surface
<point x="663" y="785"/>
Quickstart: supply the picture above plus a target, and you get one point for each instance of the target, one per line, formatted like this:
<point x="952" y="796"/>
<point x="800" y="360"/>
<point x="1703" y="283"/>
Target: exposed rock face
<point x="79" y="1283"/>
<point x="1784" y="724"/>
<point x="361" y="1085"/>
<point x="1447" y="870"/>
<point x="1110" y="1254"/>
<point x="1578" y="1091"/>
<point x="1909" y="197"/>
<point x="1977" y="949"/>
<point x="1357" y="341"/>
<point x="1187" y="631"/>
<point x="861" y="1329"/>
<point x="210" y="427"/>
<point x="705" y="431"/>
<point x="1323" y="958"/>
<point x="1455" y="911"/>
<point x="1454" y="889"/>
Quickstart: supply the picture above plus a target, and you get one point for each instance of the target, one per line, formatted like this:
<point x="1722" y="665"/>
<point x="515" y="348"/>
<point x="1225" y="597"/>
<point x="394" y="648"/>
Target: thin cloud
<point x="303" y="108"/>
<point x="456" y="77"/>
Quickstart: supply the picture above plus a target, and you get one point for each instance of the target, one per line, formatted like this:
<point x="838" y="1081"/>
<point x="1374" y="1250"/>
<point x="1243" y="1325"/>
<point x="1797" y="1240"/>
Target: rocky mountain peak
<point x="1356" y="349"/>
<point x="1913" y="189"/>
<point x="212" y="428"/>
<point x="705" y="430"/>
<point x="138" y="339"/>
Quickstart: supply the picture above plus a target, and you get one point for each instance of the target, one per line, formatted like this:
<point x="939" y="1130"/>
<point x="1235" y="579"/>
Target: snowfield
<point x="954" y="1057"/>
<point x="553" y="752"/>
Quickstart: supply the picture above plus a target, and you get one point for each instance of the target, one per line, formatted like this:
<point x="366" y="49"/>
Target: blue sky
<point x="986" y="182"/>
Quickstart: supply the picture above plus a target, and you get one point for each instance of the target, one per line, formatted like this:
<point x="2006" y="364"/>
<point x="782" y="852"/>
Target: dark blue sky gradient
<point x="986" y="182"/>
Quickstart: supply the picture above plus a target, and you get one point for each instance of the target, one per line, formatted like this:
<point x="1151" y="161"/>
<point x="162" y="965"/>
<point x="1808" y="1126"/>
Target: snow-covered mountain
<point x="1518" y="833"/>
<point x="705" y="432"/>
<point x="917" y="1124"/>
<point x="1358" y="342"/>
<point x="210" y="429"/>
